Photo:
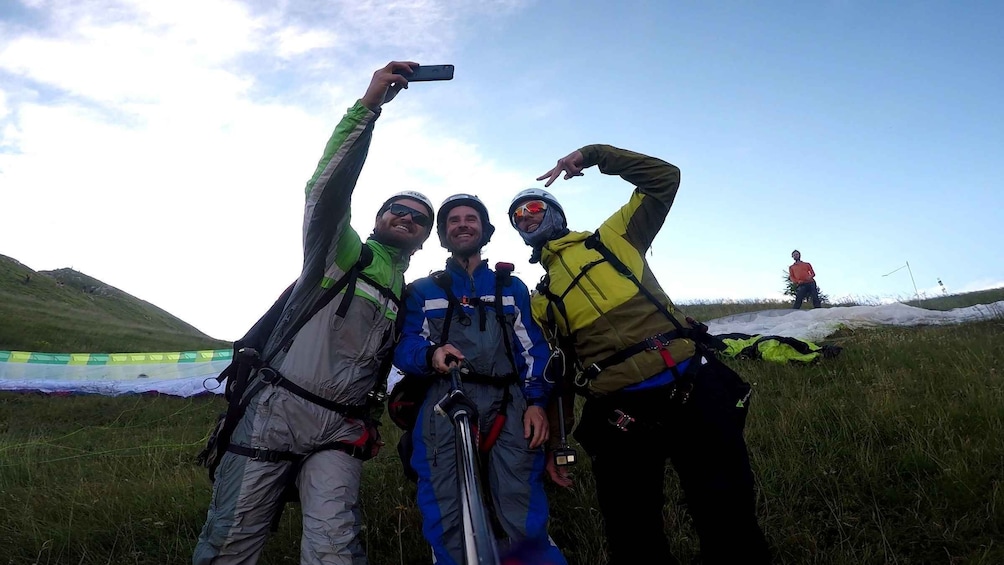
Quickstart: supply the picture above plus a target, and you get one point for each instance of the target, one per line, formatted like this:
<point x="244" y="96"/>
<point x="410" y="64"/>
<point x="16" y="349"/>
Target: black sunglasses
<point x="400" y="210"/>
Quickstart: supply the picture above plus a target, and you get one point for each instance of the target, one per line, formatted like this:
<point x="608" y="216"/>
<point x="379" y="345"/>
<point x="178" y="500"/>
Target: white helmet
<point x="487" y="229"/>
<point x="414" y="195"/>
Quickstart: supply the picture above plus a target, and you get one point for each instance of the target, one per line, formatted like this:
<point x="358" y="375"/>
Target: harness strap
<point x="365" y="258"/>
<point x="358" y="451"/>
<point x="350" y="292"/>
<point x="269" y="455"/>
<point x="442" y="280"/>
<point x="657" y="342"/>
<point x="503" y="274"/>
<point x="246" y="359"/>
<point x="593" y="242"/>
<point x="697" y="333"/>
<point x="503" y="278"/>
<point x="384" y="291"/>
<point x="271" y="376"/>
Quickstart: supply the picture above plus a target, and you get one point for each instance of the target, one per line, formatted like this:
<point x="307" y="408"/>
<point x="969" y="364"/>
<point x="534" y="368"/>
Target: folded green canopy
<point x="779" y="349"/>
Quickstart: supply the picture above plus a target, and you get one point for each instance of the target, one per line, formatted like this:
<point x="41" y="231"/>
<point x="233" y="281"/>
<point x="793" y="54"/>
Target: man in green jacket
<point x="654" y="391"/>
<point x="307" y="420"/>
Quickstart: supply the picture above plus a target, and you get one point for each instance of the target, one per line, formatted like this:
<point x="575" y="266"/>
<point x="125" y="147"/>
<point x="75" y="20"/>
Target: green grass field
<point x="891" y="452"/>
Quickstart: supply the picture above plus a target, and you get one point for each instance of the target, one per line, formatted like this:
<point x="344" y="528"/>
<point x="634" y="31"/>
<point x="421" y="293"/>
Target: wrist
<point x="430" y="352"/>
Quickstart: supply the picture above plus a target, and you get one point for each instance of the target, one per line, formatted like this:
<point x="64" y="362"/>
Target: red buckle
<point x="670" y="362"/>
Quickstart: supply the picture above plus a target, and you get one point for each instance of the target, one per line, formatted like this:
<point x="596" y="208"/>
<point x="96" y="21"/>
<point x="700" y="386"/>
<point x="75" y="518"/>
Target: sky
<point x="163" y="147"/>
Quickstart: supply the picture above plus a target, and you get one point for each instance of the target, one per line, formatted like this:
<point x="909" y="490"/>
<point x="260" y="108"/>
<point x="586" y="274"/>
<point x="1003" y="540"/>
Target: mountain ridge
<point x="64" y="310"/>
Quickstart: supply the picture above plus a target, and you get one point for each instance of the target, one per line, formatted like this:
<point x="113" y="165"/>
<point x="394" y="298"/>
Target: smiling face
<point x="463" y="231"/>
<point x="399" y="224"/>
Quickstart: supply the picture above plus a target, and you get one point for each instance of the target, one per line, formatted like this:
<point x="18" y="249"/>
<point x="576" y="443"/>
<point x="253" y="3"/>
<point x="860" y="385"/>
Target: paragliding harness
<point x="249" y="373"/>
<point x="406" y="398"/>
<point x="704" y="342"/>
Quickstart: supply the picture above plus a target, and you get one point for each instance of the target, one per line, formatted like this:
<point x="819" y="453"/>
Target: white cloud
<point x="293" y="41"/>
<point x="148" y="144"/>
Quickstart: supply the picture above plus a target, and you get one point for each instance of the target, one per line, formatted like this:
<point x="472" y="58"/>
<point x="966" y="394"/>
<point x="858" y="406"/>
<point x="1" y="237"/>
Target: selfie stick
<point x="479" y="543"/>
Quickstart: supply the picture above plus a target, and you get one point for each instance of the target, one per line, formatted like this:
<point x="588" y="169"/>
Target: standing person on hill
<point x="801" y="273"/>
<point x="306" y="422"/>
<point x="654" y="390"/>
<point x="471" y="314"/>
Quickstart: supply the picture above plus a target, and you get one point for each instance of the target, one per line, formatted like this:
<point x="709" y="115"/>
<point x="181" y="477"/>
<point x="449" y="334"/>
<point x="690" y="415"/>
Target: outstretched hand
<point x="570" y="164"/>
<point x="386" y="83"/>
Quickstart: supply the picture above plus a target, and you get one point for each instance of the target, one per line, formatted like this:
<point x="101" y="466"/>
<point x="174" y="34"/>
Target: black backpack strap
<point x="349" y="278"/>
<point x="503" y="278"/>
<point x="384" y="291"/>
<point x="442" y="280"/>
<point x="268" y="375"/>
<point x="554" y="302"/>
<point x="593" y="242"/>
<point x="659" y="342"/>
<point x="243" y="364"/>
<point x="698" y="332"/>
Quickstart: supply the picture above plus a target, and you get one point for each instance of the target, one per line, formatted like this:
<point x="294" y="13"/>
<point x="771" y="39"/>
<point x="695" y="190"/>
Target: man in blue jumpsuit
<point x="307" y="406"/>
<point x="455" y="316"/>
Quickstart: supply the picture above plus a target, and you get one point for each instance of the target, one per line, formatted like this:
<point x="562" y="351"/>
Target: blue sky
<point x="163" y="147"/>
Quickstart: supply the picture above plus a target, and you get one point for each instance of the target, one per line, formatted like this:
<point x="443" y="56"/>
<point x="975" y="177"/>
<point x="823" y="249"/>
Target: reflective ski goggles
<point x="527" y="208"/>
<point x="400" y="210"/>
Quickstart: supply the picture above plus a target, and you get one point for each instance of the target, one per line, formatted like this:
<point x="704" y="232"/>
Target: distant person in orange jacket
<point x="804" y="277"/>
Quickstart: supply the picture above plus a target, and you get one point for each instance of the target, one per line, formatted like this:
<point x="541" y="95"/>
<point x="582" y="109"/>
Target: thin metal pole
<point x="914" y="282"/>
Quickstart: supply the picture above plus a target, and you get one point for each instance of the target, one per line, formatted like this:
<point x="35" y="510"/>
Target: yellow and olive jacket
<point x="605" y="311"/>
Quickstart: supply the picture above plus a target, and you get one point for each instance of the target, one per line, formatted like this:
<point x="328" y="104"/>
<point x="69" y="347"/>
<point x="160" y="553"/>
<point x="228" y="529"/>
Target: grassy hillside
<point x="66" y="311"/>
<point x="889" y="453"/>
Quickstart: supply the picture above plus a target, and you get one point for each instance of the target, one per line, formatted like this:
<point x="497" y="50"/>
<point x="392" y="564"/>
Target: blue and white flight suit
<point x="514" y="471"/>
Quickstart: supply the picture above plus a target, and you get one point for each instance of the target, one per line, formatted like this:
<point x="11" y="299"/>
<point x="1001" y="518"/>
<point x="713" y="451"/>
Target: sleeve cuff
<point x="429" y="352"/>
<point x="590" y="155"/>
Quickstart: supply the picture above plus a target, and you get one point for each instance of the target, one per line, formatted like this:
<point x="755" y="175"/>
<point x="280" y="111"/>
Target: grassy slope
<point x="66" y="311"/>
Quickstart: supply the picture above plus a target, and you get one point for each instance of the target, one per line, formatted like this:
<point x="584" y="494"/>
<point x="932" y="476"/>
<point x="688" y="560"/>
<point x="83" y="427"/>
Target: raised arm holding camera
<point x="305" y="424"/>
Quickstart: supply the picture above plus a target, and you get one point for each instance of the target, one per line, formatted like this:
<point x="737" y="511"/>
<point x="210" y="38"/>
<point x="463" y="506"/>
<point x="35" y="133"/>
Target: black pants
<point x="703" y="438"/>
<point x="807" y="290"/>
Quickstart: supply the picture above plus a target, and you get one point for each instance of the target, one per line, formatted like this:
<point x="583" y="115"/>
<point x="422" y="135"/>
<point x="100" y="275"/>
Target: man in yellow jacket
<point x="654" y="391"/>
